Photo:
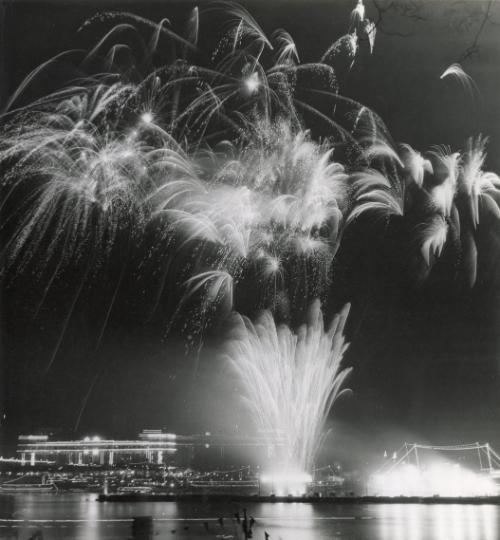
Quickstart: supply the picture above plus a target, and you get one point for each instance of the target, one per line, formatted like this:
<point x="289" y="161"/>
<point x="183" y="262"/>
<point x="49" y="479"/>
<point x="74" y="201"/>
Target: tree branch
<point x="473" y="49"/>
<point x="410" y="10"/>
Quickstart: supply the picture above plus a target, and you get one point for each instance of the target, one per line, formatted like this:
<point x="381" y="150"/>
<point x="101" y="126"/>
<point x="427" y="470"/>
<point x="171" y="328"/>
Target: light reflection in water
<point x="81" y="517"/>
<point x="458" y="524"/>
<point x="91" y="527"/>
<point x="414" y="517"/>
<point x="436" y="522"/>
<point x="440" y="528"/>
<point x="293" y="521"/>
<point x="489" y="522"/>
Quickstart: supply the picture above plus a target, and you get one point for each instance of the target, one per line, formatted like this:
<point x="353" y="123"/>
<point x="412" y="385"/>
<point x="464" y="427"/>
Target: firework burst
<point x="291" y="380"/>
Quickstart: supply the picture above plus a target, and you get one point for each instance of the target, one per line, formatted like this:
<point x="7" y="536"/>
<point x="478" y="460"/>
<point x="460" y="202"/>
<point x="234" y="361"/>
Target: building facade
<point x="152" y="446"/>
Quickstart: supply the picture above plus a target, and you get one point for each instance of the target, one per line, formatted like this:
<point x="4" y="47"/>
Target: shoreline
<point x="162" y="497"/>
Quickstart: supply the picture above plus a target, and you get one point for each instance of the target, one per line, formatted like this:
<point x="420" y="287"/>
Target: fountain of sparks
<point x="291" y="380"/>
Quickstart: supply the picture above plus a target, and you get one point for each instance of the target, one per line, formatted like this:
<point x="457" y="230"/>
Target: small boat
<point x="28" y="483"/>
<point x="135" y="489"/>
<point x="73" y="485"/>
<point x="16" y="488"/>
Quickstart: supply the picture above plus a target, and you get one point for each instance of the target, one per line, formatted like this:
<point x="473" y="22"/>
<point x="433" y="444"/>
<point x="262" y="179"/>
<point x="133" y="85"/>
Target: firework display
<point x="291" y="381"/>
<point x="236" y="176"/>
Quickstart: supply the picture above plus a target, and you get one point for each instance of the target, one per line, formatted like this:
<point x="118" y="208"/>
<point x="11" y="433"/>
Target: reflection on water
<point x="80" y="517"/>
<point x="439" y="522"/>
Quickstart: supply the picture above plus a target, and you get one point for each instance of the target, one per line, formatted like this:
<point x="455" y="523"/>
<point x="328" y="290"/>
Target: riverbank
<point x="162" y="497"/>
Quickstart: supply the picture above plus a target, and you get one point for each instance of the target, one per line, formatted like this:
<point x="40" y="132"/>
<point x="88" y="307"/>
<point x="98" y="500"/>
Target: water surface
<point x="66" y="516"/>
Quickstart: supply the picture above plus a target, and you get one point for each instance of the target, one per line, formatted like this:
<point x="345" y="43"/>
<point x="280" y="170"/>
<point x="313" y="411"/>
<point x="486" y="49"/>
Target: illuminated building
<point x="151" y="447"/>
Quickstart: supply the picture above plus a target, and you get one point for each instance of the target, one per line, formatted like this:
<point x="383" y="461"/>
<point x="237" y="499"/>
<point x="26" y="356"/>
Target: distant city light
<point x="440" y="479"/>
<point x="38" y="438"/>
<point x="157" y="434"/>
<point x="287" y="482"/>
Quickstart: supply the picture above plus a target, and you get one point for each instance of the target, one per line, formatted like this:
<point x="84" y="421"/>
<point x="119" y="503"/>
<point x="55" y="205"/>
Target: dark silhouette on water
<point x="351" y="499"/>
<point x="142" y="528"/>
<point x="38" y="535"/>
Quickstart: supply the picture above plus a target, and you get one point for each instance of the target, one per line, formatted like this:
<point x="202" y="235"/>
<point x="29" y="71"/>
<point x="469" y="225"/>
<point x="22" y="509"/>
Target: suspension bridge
<point x="487" y="458"/>
<point x="432" y="470"/>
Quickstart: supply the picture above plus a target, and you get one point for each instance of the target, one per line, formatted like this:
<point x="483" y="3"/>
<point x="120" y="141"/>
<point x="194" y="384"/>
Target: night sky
<point x="424" y="352"/>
